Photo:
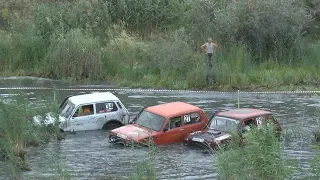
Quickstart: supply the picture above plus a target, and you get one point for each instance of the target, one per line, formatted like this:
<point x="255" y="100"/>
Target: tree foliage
<point x="269" y="28"/>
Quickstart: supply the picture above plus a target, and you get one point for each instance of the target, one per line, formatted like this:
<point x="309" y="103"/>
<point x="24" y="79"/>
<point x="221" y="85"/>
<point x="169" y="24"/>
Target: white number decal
<point x="109" y="106"/>
<point x="187" y="118"/>
<point x="260" y="120"/>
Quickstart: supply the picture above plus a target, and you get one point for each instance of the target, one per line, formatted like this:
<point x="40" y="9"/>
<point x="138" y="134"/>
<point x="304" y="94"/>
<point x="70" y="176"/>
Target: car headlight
<point x="122" y="136"/>
<point x="112" y="138"/>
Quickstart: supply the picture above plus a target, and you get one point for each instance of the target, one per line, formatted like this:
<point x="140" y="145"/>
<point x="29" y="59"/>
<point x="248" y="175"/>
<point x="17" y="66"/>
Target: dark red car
<point x="238" y="120"/>
<point x="162" y="124"/>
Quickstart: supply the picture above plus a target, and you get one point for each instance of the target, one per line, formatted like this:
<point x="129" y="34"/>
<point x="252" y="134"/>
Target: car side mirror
<point x="165" y="130"/>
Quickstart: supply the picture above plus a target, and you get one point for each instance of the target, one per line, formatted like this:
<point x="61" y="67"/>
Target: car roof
<point x="172" y="109"/>
<point x="93" y="97"/>
<point x="243" y="113"/>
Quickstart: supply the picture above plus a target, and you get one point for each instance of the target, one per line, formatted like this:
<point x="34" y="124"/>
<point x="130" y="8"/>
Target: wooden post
<point x="238" y="99"/>
<point x="54" y="95"/>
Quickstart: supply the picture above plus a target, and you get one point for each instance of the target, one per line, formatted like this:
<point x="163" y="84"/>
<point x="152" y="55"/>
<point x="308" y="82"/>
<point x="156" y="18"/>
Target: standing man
<point x="209" y="48"/>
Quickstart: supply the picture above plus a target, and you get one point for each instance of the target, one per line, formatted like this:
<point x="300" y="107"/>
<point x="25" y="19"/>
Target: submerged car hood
<point x="48" y="118"/>
<point x="133" y="132"/>
<point x="210" y="135"/>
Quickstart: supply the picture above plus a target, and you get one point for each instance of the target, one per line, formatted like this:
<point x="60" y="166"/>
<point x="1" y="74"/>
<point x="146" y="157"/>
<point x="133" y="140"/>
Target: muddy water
<point x="88" y="155"/>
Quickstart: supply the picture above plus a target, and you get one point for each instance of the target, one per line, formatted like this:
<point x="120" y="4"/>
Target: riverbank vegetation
<point x="142" y="43"/>
<point x="260" y="158"/>
<point x="17" y="132"/>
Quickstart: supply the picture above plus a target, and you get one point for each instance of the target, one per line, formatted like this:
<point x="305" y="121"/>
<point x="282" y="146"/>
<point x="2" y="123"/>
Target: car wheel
<point x="111" y="125"/>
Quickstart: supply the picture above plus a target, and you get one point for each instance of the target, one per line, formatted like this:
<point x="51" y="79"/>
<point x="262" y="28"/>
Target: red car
<point x="238" y="120"/>
<point x="162" y="124"/>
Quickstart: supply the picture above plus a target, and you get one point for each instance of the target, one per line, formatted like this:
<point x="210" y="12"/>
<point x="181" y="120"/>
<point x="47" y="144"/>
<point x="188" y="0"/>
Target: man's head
<point x="209" y="40"/>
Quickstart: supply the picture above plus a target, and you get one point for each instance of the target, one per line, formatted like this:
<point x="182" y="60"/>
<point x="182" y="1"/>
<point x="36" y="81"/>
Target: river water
<point x="88" y="155"/>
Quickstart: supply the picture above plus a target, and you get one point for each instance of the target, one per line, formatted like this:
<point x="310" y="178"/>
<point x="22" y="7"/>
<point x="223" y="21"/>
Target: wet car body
<point x="161" y="124"/>
<point x="92" y="111"/>
<point x="237" y="121"/>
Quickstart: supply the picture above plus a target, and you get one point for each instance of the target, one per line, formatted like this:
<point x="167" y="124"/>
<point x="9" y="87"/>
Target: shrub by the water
<point x="260" y="42"/>
<point x="145" y="169"/>
<point x="260" y="158"/>
<point x="61" y="17"/>
<point x="74" y="54"/>
<point x="17" y="130"/>
<point x="269" y="28"/>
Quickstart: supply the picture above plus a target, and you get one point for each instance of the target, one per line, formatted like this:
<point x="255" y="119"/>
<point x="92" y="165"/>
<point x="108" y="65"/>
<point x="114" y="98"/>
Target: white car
<point x="101" y="110"/>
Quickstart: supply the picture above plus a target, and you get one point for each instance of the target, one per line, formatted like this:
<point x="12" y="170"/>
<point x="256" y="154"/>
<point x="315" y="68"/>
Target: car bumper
<point x="202" y="145"/>
<point x="118" y="140"/>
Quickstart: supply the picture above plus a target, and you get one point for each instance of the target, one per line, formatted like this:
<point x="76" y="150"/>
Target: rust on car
<point x="161" y="124"/>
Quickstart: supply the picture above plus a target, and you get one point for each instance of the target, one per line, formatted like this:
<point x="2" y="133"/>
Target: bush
<point x="56" y="18"/>
<point x="200" y="21"/>
<point x="74" y="55"/>
<point x="145" y="16"/>
<point x="315" y="166"/>
<point x="18" y="131"/>
<point x="260" y="158"/>
<point x="161" y="61"/>
<point x="269" y="27"/>
<point x="21" y="51"/>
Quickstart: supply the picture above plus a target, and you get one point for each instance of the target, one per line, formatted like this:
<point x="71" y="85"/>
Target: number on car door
<point x="192" y="122"/>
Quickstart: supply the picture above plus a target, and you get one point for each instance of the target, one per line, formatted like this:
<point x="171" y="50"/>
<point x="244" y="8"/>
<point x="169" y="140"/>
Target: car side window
<point x="173" y="123"/>
<point x="84" y="110"/>
<point x="106" y="107"/>
<point x="248" y="124"/>
<point x="191" y="118"/>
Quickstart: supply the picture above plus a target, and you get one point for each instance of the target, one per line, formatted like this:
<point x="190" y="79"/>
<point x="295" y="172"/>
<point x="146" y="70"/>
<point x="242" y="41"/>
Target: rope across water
<point x="161" y="90"/>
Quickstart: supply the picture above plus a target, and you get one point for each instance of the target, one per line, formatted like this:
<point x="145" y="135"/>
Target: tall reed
<point x="260" y="158"/>
<point x="17" y="131"/>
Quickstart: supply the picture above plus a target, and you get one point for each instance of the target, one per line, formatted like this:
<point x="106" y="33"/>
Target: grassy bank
<point x="17" y="131"/>
<point x="155" y="44"/>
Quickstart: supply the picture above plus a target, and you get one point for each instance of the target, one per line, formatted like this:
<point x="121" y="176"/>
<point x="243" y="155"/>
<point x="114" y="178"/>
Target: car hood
<point x="48" y="118"/>
<point x="133" y="132"/>
<point x="210" y="135"/>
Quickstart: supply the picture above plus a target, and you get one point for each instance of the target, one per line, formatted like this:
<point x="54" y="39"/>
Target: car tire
<point x="111" y="125"/>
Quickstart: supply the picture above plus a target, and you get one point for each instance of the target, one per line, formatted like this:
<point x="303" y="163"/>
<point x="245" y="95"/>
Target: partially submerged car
<point x="102" y="110"/>
<point x="238" y="121"/>
<point x="161" y="124"/>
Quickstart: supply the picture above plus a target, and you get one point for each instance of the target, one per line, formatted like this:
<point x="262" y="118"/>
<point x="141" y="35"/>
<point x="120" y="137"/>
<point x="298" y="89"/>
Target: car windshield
<point x="150" y="120"/>
<point x="67" y="109"/>
<point x="224" y="124"/>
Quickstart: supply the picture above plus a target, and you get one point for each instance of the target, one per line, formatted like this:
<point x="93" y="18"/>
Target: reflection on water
<point x="88" y="155"/>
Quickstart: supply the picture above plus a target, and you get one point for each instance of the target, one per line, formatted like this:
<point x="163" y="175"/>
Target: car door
<point x="106" y="111"/>
<point x="192" y="122"/>
<point x="82" y="118"/>
<point x="124" y="114"/>
<point x="173" y="131"/>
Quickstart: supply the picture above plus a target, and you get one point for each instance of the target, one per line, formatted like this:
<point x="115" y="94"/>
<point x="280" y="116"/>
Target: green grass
<point x="161" y="63"/>
<point x="145" y="44"/>
<point x="18" y="132"/>
<point x="260" y="158"/>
